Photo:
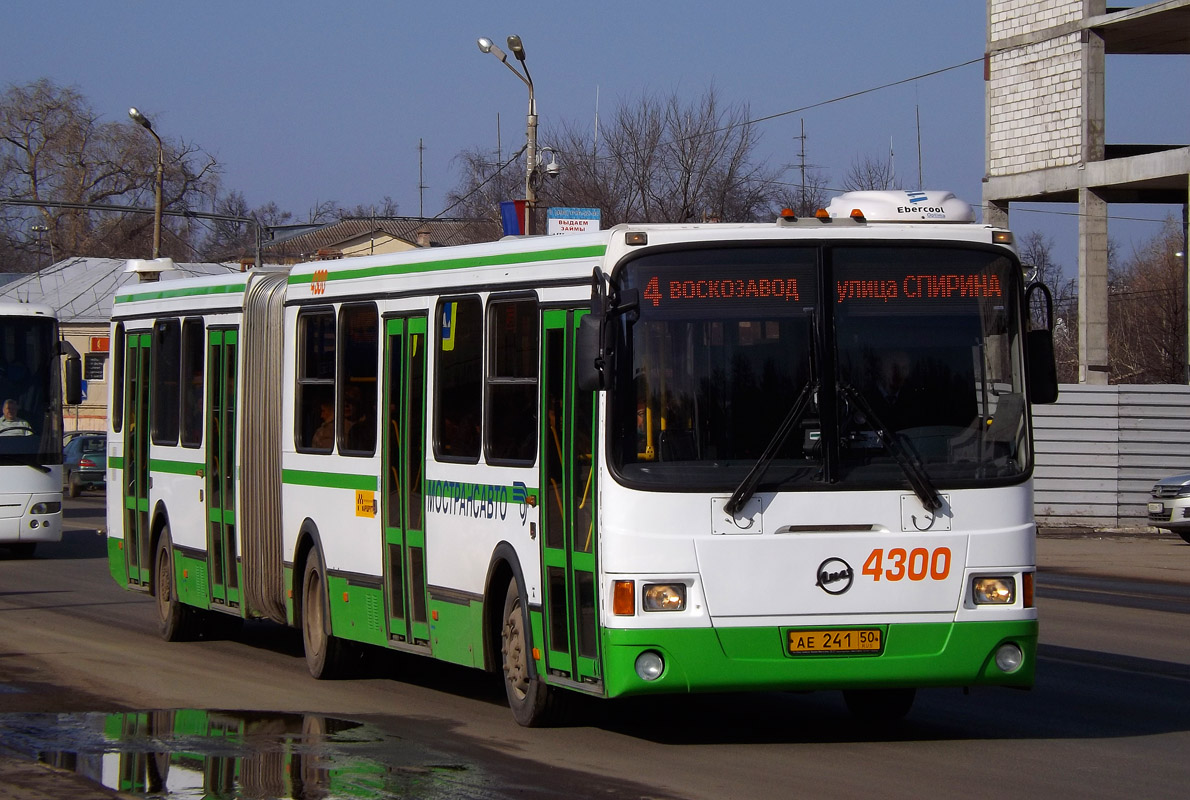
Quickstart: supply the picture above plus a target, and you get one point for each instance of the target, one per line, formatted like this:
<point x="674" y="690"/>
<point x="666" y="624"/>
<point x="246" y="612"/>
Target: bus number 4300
<point x="896" y="564"/>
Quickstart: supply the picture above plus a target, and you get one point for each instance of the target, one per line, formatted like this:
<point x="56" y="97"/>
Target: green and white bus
<point x="655" y="458"/>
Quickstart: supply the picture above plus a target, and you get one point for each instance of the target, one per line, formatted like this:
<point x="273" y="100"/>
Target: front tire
<point x="175" y="621"/>
<point x="1185" y="534"/>
<point x="533" y="702"/>
<point x="325" y="654"/>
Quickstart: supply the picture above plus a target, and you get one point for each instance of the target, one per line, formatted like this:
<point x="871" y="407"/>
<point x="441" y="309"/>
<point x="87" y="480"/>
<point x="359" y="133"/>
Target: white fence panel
<point x="1100" y="449"/>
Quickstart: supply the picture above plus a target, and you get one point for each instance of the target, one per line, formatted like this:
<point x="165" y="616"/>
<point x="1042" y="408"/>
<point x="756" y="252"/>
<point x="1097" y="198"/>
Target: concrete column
<point x="995" y="213"/>
<point x="1092" y="288"/>
<point x="1186" y="270"/>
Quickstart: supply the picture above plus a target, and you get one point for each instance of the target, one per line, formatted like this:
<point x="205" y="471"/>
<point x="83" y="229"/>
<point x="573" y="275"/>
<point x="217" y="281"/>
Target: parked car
<point x="1169" y="506"/>
<point x="68" y="435"/>
<point x="84" y="463"/>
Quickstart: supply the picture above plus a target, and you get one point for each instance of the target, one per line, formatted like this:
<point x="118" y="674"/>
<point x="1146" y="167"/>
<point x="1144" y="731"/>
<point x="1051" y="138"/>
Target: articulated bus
<point x="649" y="459"/>
<point x="31" y="386"/>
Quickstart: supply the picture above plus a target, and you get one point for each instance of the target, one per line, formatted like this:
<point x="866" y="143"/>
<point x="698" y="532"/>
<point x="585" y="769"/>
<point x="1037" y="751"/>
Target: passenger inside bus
<point x="324" y="436"/>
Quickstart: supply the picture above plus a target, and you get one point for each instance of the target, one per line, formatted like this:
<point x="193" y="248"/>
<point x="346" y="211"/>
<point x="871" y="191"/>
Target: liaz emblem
<point x="834" y="576"/>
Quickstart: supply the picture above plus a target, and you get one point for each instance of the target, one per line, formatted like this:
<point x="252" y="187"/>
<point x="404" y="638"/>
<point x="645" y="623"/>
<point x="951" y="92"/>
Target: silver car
<point x="1169" y="506"/>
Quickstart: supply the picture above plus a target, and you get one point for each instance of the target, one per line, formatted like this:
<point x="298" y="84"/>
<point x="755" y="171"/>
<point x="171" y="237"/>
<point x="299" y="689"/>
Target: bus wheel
<point x="175" y="620"/>
<point x="879" y="705"/>
<point x="533" y="702"/>
<point x="324" y="652"/>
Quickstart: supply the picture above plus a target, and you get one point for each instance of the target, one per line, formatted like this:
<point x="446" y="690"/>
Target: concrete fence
<point x="1100" y="449"/>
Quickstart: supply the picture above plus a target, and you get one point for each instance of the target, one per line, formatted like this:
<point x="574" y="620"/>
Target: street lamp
<point x="518" y="49"/>
<point x="143" y="121"/>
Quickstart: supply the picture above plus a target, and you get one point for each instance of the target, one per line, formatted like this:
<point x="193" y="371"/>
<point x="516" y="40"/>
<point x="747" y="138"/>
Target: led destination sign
<point x="741" y="290"/>
<point x="751" y="288"/>
<point x="920" y="287"/>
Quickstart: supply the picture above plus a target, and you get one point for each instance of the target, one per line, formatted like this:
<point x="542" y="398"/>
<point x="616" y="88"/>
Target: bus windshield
<point x="920" y="344"/>
<point x="30" y="391"/>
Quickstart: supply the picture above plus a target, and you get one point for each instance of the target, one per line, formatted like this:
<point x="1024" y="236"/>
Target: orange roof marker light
<point x="900" y="206"/>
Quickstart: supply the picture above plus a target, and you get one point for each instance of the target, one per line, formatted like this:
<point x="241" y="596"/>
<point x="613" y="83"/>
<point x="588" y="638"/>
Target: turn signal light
<point x="1027" y="589"/>
<point x="857" y="215"/>
<point x="623" y="598"/>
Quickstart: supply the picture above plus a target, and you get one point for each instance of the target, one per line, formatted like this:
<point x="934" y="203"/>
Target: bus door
<point x="137" y="371"/>
<point x="403" y="497"/>
<point x="222" y="567"/>
<point x="568" y="517"/>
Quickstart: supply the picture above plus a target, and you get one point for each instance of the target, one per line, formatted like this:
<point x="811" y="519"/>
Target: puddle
<point x="186" y="753"/>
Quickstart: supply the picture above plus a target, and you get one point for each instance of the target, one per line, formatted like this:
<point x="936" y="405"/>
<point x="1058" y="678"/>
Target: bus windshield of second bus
<point x="31" y="425"/>
<point x="912" y="364"/>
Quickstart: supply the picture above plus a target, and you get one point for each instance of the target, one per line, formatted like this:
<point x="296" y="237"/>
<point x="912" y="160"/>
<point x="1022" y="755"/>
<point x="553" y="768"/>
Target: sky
<point x="306" y="102"/>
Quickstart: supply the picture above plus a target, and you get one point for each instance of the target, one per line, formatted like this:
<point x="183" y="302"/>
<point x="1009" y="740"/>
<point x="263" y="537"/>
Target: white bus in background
<point x="651" y="459"/>
<point x="31" y="425"/>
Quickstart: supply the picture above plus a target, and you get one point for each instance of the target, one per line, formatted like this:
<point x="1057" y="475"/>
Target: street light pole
<point x="143" y="121"/>
<point x="518" y="49"/>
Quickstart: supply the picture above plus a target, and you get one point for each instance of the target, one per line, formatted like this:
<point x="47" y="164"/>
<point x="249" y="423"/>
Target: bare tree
<point x="659" y="159"/>
<point x="1147" y="312"/>
<point x="54" y="149"/>
<point x="868" y="173"/>
<point x="229" y="240"/>
<point x="1036" y="253"/>
<point x="806" y="197"/>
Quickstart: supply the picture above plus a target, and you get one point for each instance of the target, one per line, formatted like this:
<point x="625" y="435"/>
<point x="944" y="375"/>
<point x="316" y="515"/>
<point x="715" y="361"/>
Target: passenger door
<point x="222" y="556"/>
<point x="403" y="497"/>
<point x="568" y="505"/>
<point x="137" y="371"/>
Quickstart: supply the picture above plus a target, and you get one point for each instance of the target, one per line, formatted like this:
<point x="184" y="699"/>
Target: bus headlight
<point x="664" y="597"/>
<point x="999" y="590"/>
<point x="45" y="508"/>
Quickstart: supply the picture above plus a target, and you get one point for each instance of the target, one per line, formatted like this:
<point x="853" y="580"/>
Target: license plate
<point x="835" y="640"/>
<point x="1156" y="508"/>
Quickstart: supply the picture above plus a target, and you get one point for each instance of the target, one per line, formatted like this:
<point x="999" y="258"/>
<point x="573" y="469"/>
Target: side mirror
<point x="74" y="380"/>
<point x="588" y="365"/>
<point x="1039" y="350"/>
<point x="1043" y="370"/>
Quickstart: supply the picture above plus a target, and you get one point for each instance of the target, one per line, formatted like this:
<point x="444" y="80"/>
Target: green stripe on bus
<point x="594" y="251"/>
<point x="175" y="467"/>
<point x="330" y="480"/>
<point x="115" y="462"/>
<point x="193" y="291"/>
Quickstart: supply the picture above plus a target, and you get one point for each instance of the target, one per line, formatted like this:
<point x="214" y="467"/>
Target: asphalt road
<point x="1109" y="717"/>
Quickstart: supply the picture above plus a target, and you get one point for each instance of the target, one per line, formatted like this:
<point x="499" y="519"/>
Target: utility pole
<point x="801" y="139"/>
<point x="421" y="183"/>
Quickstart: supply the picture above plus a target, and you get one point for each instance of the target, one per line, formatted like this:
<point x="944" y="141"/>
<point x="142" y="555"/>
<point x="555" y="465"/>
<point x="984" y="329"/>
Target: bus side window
<point x="316" y="381"/>
<point x="458" y="379"/>
<point x="513" y="344"/>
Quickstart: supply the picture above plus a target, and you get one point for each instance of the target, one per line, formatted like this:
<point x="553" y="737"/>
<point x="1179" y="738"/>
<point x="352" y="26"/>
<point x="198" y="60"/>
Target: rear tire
<point x="73" y="488"/>
<point x="534" y="703"/>
<point x="176" y="621"/>
<point x="879" y="705"/>
<point x="325" y="654"/>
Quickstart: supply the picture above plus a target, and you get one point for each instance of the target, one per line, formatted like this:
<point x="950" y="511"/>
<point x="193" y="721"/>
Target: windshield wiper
<point x="919" y="479"/>
<point x="748" y="485"/>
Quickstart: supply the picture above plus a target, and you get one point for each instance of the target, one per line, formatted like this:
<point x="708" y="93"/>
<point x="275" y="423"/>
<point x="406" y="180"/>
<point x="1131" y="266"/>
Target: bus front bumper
<point x="757" y="659"/>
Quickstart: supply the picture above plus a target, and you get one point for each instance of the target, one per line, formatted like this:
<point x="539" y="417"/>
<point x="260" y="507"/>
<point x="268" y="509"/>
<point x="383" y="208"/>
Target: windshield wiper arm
<point x="919" y="479"/>
<point x="748" y="485"/>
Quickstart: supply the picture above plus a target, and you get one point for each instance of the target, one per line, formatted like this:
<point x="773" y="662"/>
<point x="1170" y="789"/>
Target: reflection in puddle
<point x="215" y="754"/>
